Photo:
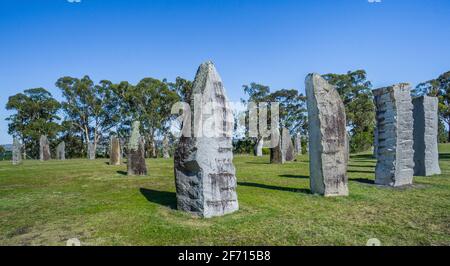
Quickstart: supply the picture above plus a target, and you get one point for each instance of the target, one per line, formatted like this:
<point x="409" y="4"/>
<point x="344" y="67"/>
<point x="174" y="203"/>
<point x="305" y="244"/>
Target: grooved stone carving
<point x="44" y="149"/>
<point x="16" y="152"/>
<point x="136" y="152"/>
<point x="327" y="138"/>
<point x="204" y="171"/>
<point x="395" y="152"/>
<point x="61" y="151"/>
<point x="426" y="122"/>
<point x="115" y="151"/>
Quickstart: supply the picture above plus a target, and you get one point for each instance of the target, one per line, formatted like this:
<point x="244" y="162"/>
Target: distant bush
<point x="266" y="151"/>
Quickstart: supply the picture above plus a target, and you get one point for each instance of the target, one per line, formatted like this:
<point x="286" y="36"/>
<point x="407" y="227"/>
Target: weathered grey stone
<point x="166" y="148"/>
<point x="115" y="151"/>
<point x="61" y="151"/>
<point x="44" y="149"/>
<point x="204" y="171"/>
<point x="136" y="152"/>
<point x="287" y="146"/>
<point x="298" y="144"/>
<point x="259" y="146"/>
<point x="395" y="152"/>
<point x="327" y="138"/>
<point x="16" y="152"/>
<point x="91" y="151"/>
<point x="277" y="155"/>
<point x="375" y="142"/>
<point x="426" y="122"/>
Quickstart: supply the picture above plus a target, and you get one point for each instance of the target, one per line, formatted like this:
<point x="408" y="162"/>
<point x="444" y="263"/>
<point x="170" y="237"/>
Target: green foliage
<point x="2" y="150"/>
<point x="355" y="91"/>
<point x="442" y="133"/>
<point x="35" y="115"/>
<point x="265" y="151"/>
<point x="89" y="107"/>
<point x="439" y="87"/>
<point x="244" y="146"/>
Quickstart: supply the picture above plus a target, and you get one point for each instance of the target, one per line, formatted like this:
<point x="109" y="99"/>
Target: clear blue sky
<point x="271" y="42"/>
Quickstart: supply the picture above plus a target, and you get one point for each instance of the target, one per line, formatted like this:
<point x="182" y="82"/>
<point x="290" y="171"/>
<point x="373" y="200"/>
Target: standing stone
<point x="115" y="151"/>
<point x="61" y="151"/>
<point x="277" y="155"/>
<point x="91" y="151"/>
<point x="426" y="122"/>
<point x="327" y="138"/>
<point x="16" y="152"/>
<point x="259" y="147"/>
<point x="204" y="171"/>
<point x="298" y="144"/>
<point x="44" y="149"/>
<point x="166" y="147"/>
<point x="395" y="152"/>
<point x="375" y="142"/>
<point x="136" y="152"/>
<point x="287" y="145"/>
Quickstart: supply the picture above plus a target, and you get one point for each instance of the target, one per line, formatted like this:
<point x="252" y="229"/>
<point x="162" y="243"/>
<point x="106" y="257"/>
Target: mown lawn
<point x="48" y="203"/>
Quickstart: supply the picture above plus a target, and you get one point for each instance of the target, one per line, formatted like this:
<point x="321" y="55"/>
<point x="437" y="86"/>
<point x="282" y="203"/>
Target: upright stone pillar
<point x="115" y="151"/>
<point x="298" y="144"/>
<point x="287" y="145"/>
<point x="61" y="151"/>
<point x="426" y="123"/>
<point x="327" y="138"/>
<point x="166" y="148"/>
<point x="277" y="155"/>
<point x="395" y="152"/>
<point x="136" y="152"/>
<point x="44" y="149"/>
<point x="259" y="147"/>
<point x="91" y="151"/>
<point x="16" y="152"/>
<point x="204" y="171"/>
<point x="375" y="142"/>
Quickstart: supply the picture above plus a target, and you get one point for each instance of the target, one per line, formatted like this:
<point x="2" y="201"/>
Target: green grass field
<point x="48" y="203"/>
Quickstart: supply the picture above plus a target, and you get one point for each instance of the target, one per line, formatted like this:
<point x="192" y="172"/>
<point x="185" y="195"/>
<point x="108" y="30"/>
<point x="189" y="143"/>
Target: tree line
<point x="91" y="113"/>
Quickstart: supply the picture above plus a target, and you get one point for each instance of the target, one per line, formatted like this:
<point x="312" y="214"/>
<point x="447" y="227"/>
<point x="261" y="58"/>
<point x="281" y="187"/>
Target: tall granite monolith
<point x="91" y="151"/>
<point x="327" y="138"/>
<point x="259" y="147"/>
<point x="426" y="123"/>
<point x="136" y="152"/>
<point x="287" y="145"/>
<point x="375" y="142"/>
<point x="298" y="144"/>
<point x="115" y="151"/>
<point x="277" y="155"/>
<point x="44" y="149"/>
<point x="16" y="152"/>
<point x="204" y="171"/>
<point x="394" y="117"/>
<point x="61" y="151"/>
<point x="166" y="148"/>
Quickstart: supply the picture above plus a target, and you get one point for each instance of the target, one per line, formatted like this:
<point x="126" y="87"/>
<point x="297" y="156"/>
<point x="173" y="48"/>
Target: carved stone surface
<point x="259" y="146"/>
<point x="277" y="156"/>
<point x="298" y="144"/>
<point x="426" y="122"/>
<point x="166" y="148"/>
<point x="327" y="138"/>
<point x="136" y="152"/>
<point x="61" y="151"/>
<point x="16" y="152"/>
<point x="287" y="145"/>
<point x="44" y="149"/>
<point x="395" y="152"/>
<point x="115" y="151"/>
<point x="204" y="171"/>
<point x="375" y="142"/>
<point x="91" y="151"/>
